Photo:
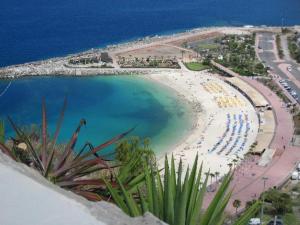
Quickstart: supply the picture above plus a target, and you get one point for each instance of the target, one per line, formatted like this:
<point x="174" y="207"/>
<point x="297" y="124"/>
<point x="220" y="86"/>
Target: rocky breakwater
<point x="58" y="68"/>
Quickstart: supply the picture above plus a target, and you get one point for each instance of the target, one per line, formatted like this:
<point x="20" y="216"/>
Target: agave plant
<point x="177" y="199"/>
<point x="69" y="168"/>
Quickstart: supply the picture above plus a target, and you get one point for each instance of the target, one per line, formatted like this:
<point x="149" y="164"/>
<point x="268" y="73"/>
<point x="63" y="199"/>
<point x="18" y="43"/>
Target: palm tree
<point x="236" y="204"/>
<point x="217" y="173"/>
<point x="234" y="162"/>
<point x="182" y="52"/>
<point x="212" y="175"/>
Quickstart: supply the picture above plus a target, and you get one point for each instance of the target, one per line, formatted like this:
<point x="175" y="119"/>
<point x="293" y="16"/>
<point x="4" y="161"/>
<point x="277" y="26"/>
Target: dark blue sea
<point x="38" y="29"/>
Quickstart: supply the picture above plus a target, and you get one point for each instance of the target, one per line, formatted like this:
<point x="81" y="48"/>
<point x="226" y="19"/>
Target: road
<point x="267" y="52"/>
<point x="287" y="57"/>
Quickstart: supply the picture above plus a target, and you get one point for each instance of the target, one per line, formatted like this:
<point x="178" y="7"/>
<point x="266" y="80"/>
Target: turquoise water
<point x="111" y="105"/>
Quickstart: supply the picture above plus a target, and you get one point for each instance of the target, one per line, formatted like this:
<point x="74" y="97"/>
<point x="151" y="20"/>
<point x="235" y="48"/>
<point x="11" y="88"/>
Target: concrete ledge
<point x="28" y="198"/>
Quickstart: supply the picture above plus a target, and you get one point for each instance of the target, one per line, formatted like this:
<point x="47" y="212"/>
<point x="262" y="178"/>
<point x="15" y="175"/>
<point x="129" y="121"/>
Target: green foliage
<point x="290" y="219"/>
<point x="177" y="199"/>
<point x="250" y="203"/>
<point x="275" y="88"/>
<point x="279" y="48"/>
<point x="259" y="67"/>
<point x="129" y="148"/>
<point x="280" y="202"/>
<point x="69" y="168"/>
<point x="248" y="214"/>
<point x="197" y="66"/>
<point x="294" y="48"/>
<point x="234" y="51"/>
<point x="239" y="55"/>
<point x="236" y="204"/>
<point x="285" y="30"/>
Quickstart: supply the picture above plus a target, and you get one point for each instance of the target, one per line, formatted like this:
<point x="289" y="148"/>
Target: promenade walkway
<point x="247" y="182"/>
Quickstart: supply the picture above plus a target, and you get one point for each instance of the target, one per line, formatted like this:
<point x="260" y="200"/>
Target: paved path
<point x="247" y="182"/>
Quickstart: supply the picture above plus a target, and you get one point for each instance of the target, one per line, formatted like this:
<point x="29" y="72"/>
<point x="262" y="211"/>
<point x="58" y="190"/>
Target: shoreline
<point x="56" y="66"/>
<point x="187" y="104"/>
<point x="189" y="85"/>
<point x="137" y="40"/>
<point x="208" y="120"/>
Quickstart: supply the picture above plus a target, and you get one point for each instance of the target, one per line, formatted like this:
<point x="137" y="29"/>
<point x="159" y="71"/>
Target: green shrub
<point x="282" y="202"/>
<point x="128" y="148"/>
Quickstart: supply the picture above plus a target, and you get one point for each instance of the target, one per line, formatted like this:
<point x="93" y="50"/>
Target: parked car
<point x="289" y="68"/>
<point x="278" y="222"/>
<point x="298" y="166"/>
<point x="295" y="175"/>
<point x="254" y="221"/>
<point x="294" y="95"/>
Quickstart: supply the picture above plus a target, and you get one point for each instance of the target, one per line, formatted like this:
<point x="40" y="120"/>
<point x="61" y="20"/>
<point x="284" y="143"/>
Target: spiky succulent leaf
<point x="33" y="153"/>
<point x="105" y="144"/>
<point x="144" y="204"/>
<point x="131" y="204"/>
<point x="196" y="212"/>
<point x="7" y="151"/>
<point x="211" y="210"/>
<point x="180" y="217"/>
<point x="193" y="196"/>
<point x="250" y="212"/>
<point x="44" y="135"/>
<point x="70" y="146"/>
<point x="119" y="200"/>
<point x="88" y="195"/>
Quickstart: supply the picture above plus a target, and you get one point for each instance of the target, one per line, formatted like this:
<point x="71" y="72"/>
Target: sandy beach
<point x="224" y="128"/>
